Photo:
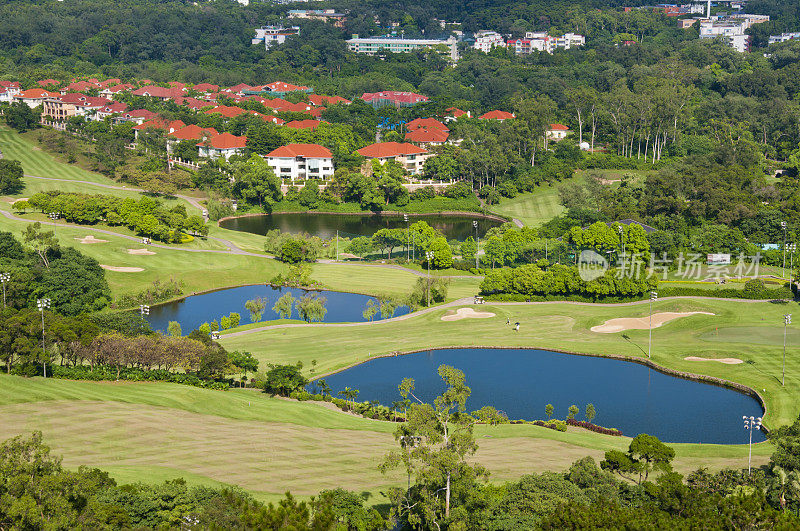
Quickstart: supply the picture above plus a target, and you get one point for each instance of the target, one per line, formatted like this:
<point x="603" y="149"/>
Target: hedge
<point x="594" y="427"/>
<point x="109" y="373"/>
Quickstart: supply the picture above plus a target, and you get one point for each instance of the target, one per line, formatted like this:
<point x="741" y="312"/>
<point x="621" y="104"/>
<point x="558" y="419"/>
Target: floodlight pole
<point x="428" y="258"/>
<point x="783" y="226"/>
<point x="42" y="304"/>
<point x="477" y="241"/>
<point x="787" y="320"/>
<point x="408" y="237"/>
<point x="750" y="424"/>
<point x="4" y="277"/>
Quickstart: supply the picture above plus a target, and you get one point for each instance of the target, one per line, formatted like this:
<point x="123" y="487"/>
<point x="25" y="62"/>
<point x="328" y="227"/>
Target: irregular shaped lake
<point x="195" y="310"/>
<point x="326" y="225"/>
<point x="520" y="382"/>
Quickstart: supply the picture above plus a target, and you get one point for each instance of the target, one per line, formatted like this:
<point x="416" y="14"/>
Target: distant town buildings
<point x="394" y="98"/>
<point x="485" y="40"/>
<point x="394" y="44"/>
<point x="326" y="15"/>
<point x="269" y="35"/>
<point x="542" y="42"/>
<point x="731" y="28"/>
<point x="783" y="37"/>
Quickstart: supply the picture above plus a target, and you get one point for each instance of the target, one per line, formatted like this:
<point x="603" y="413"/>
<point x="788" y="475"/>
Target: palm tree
<point x="349" y="395"/>
<point x="786" y="484"/>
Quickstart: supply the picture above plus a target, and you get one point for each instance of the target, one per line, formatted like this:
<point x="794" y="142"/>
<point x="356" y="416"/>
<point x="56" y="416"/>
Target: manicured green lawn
<point x="533" y="209"/>
<point x="563" y="327"/>
<point x="155" y="431"/>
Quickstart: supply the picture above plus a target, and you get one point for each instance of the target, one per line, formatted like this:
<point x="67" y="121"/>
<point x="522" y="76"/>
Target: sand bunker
<point x="726" y="361"/>
<point x="122" y="269"/>
<point x="143" y="252"/>
<point x="465" y="313"/>
<point x="86" y="240"/>
<point x="640" y="323"/>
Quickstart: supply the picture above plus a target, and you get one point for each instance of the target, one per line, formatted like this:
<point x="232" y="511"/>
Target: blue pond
<point x="195" y="310"/>
<point x="520" y="382"/>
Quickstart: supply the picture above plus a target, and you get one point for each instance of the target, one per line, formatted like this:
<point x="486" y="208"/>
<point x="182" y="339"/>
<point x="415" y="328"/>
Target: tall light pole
<point x="787" y="320"/>
<point x="43" y="304"/>
<point x="4" y="277"/>
<point x="750" y="424"/>
<point x="428" y="258"/>
<point x="783" y="226"/>
<point x="408" y="236"/>
<point x="477" y="241"/>
<point x="792" y="248"/>
<point x="622" y="239"/>
<point x="653" y="298"/>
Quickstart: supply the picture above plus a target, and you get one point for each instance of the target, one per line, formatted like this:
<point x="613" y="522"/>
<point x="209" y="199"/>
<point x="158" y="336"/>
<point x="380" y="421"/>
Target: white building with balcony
<point x="301" y="161"/>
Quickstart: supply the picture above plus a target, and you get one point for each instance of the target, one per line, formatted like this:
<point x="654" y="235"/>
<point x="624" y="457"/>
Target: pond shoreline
<point x="701" y="378"/>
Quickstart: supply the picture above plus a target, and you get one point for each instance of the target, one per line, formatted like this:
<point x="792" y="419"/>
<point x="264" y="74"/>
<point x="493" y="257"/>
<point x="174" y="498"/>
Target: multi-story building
<point x="301" y="161"/>
<point x="411" y="157"/>
<point x="783" y="37"/>
<point x="34" y="97"/>
<point x="732" y="29"/>
<point x="72" y="104"/>
<point x="221" y="146"/>
<point x="485" y="40"/>
<point x="326" y="15"/>
<point x="394" y="44"/>
<point x="270" y="35"/>
<point x="542" y="42"/>
<point x="394" y="98"/>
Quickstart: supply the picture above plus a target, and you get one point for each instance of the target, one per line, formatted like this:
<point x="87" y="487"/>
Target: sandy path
<point x="640" y="323"/>
<point x="122" y="269"/>
<point x="141" y="252"/>
<point x="726" y="361"/>
<point x="466" y="313"/>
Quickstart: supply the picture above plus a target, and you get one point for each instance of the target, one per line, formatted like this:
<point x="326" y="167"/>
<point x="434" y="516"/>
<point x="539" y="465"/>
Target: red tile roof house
<point x="190" y="132"/>
<point x="497" y="115"/>
<point x="159" y="93"/>
<point x="35" y="97"/>
<point x="80" y="86"/>
<point x="109" y="92"/>
<point x="47" y="82"/>
<point x="454" y="113"/>
<point x="72" y="104"/>
<point x="205" y="88"/>
<point x="393" y="97"/>
<point x="280" y="86"/>
<point x="425" y="123"/>
<point x="427" y="137"/>
<point x="557" y="132"/>
<point x="410" y="156"/>
<point x="158" y="123"/>
<point x="108" y="110"/>
<point x="139" y="116"/>
<point x="239" y="89"/>
<point x="321" y="101"/>
<point x="301" y="161"/>
<point x="226" y="112"/>
<point x="304" y="124"/>
<point x="224" y="145"/>
<point x="5" y="95"/>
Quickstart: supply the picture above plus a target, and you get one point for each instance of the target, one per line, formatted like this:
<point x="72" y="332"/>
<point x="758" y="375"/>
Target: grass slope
<point x="156" y="431"/>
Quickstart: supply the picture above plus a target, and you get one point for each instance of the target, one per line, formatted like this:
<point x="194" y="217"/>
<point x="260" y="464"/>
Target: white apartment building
<point x="301" y="161"/>
<point x="270" y="35"/>
<point x="389" y="43"/>
<point x="485" y="40"/>
<point x="542" y="42"/>
<point x="783" y="37"/>
<point x="732" y="29"/>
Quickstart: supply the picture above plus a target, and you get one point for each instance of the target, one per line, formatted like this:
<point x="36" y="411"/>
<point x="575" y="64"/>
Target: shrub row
<point x="594" y="427"/>
<point x="553" y="424"/>
<point x="109" y="373"/>
<point x="365" y="409"/>
<point x="727" y="293"/>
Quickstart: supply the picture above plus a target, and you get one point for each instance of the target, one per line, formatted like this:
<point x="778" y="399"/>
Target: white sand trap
<point x="143" y="252"/>
<point x="640" y="323"/>
<point x="86" y="240"/>
<point x="726" y="361"/>
<point x="122" y="269"/>
<point x="466" y="313"/>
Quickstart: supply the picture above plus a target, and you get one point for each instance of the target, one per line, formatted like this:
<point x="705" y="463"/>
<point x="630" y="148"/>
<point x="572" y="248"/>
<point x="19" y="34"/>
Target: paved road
<point x="470" y="301"/>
